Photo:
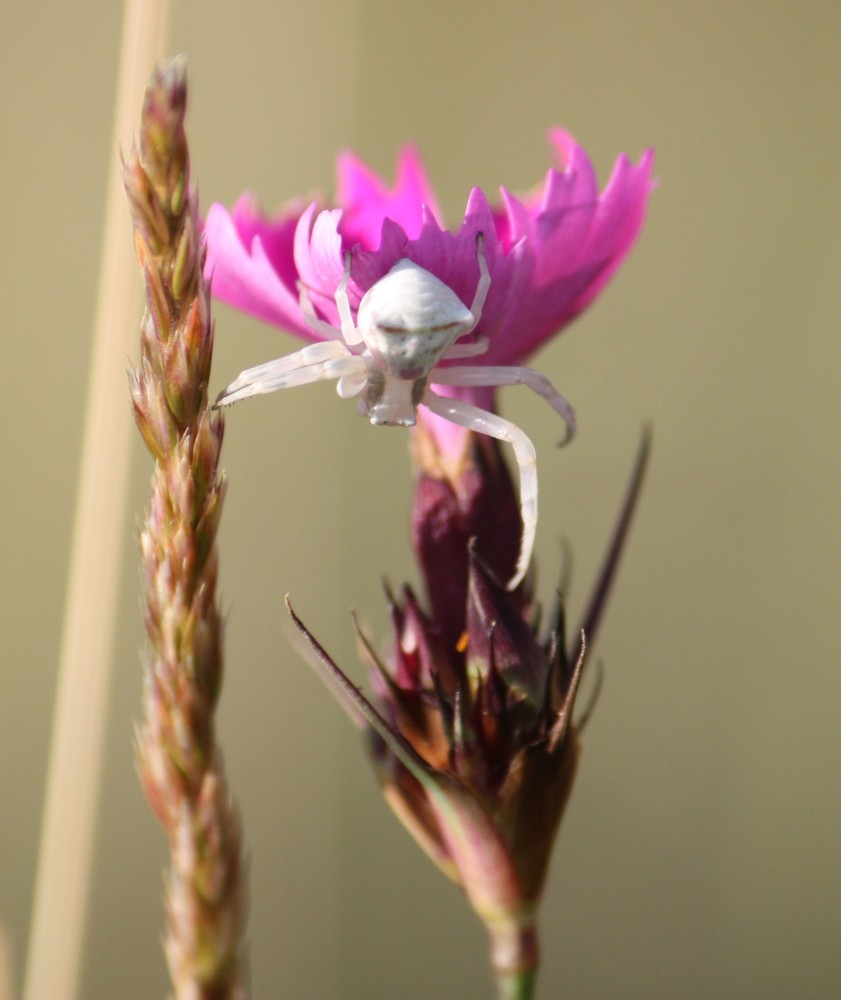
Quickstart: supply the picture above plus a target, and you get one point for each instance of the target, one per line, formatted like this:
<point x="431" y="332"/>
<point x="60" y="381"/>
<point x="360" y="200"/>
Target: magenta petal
<point x="325" y="263"/>
<point x="561" y="231"/>
<point x="363" y="194"/>
<point x="618" y="221"/>
<point x="613" y="229"/>
<point x="433" y="249"/>
<point x="412" y="188"/>
<point x="564" y="144"/>
<point x="517" y="218"/>
<point x="242" y="273"/>
<point x="276" y="234"/>
<point x="576" y="256"/>
<point x="367" y="201"/>
<point x="369" y="266"/>
<point x="319" y="259"/>
<point x="575" y="186"/>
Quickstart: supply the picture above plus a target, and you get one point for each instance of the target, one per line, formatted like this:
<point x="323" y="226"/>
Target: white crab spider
<point x="406" y="324"/>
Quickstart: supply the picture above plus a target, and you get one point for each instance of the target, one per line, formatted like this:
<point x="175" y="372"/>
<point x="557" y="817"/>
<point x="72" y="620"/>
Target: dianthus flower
<point x="471" y="726"/>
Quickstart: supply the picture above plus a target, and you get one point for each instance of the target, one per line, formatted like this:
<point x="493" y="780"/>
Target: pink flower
<point x="472" y="723"/>
<point x="549" y="253"/>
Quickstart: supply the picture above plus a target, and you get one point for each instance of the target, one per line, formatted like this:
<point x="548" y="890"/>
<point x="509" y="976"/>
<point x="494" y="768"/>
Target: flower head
<point x="471" y="726"/>
<point x="549" y="253"/>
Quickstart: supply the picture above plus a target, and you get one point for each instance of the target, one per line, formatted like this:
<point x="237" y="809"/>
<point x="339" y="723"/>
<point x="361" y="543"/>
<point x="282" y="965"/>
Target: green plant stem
<point x="516" y="985"/>
<point x="514" y="956"/>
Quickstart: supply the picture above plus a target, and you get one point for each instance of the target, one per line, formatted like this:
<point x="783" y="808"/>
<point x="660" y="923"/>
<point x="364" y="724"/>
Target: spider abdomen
<point x="409" y="319"/>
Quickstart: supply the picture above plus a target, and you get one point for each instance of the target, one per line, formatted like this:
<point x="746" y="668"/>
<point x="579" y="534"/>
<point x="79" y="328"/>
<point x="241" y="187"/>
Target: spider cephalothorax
<point x="407" y="323"/>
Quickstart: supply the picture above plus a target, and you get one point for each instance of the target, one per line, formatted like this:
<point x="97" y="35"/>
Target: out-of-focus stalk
<point x="516" y="985"/>
<point x="59" y="913"/>
<point x="5" y="966"/>
<point x="179" y="762"/>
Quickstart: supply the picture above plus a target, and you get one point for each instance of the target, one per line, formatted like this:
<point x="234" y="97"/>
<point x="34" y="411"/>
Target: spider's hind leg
<point x="494" y="375"/>
<point x="483" y="422"/>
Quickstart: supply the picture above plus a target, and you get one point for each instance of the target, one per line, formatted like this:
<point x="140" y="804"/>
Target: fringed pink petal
<point x="619" y="219"/>
<point x="276" y="233"/>
<point x="318" y="257"/>
<point x="243" y="275"/>
<point x="518" y="224"/>
<point x="575" y="243"/>
<point x="367" y="200"/>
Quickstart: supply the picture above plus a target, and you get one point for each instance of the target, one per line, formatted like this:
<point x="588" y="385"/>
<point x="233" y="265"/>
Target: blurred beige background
<point x="700" y="856"/>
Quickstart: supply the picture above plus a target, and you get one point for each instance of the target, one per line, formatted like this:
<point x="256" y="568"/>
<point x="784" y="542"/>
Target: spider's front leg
<point x="314" y="363"/>
<point x="347" y="330"/>
<point x="483" y="422"/>
<point x="484" y="283"/>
